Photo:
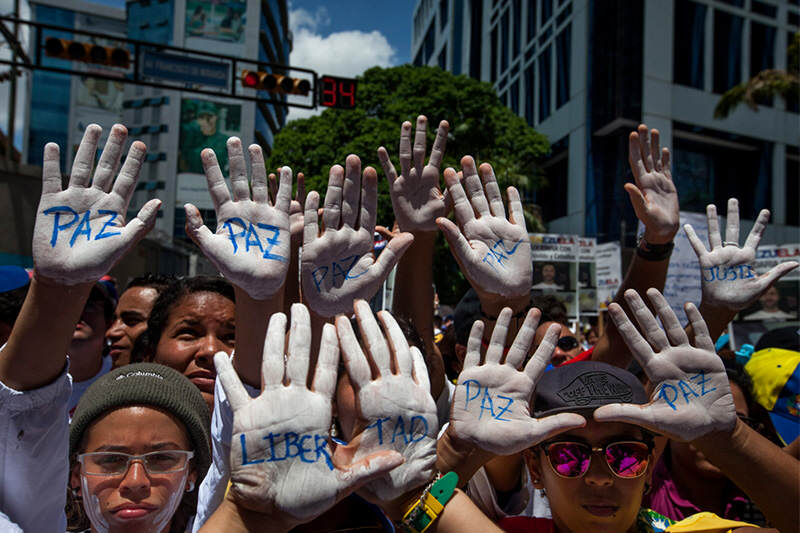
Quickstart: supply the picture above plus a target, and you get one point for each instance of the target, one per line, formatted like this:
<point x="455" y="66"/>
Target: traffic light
<point x="275" y="83"/>
<point x="112" y="56"/>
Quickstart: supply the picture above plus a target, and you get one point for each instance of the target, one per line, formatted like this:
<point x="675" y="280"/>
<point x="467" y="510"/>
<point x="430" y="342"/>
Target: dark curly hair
<point x="145" y="346"/>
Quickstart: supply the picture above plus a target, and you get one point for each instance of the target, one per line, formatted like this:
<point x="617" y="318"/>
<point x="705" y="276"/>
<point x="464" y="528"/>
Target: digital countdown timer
<point x="337" y="92"/>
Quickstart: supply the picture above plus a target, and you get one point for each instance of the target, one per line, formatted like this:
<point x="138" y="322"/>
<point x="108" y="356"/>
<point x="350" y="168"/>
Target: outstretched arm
<point x="417" y="202"/>
<point x="79" y="234"/>
<point x="250" y="247"/>
<point x="655" y="201"/>
<point x="692" y="402"/>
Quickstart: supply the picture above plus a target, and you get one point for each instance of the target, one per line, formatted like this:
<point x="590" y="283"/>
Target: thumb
<point x="373" y="466"/>
<point x="543" y="428"/>
<point x="640" y="415"/>
<point x="637" y="199"/>
<point x="392" y="254"/>
<point x="145" y="219"/>
<point x="197" y="231"/>
<point x="777" y="272"/>
<point x="459" y="245"/>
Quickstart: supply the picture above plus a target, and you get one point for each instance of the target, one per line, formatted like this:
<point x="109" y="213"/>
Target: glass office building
<point x="585" y="73"/>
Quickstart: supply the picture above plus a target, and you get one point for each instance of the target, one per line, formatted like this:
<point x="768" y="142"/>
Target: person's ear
<point x="531" y="458"/>
<point x="75" y="478"/>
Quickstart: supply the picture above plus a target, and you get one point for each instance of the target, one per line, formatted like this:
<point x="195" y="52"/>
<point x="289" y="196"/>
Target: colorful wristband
<point x="420" y="516"/>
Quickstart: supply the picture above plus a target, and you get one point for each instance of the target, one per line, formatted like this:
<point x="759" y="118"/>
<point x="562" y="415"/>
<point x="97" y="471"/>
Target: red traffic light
<point x="275" y="83"/>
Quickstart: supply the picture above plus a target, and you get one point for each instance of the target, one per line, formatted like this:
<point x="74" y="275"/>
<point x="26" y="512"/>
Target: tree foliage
<point x="765" y="85"/>
<point x="479" y="126"/>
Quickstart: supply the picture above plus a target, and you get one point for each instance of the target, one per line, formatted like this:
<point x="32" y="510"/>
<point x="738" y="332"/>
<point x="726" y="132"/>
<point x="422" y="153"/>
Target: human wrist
<point x="658" y="238"/>
<point x="492" y="304"/>
<point x="231" y="517"/>
<point x="454" y="454"/>
<point x="717" y="441"/>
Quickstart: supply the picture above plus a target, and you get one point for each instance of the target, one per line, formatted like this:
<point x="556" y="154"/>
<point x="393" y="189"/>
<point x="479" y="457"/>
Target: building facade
<point x="586" y="72"/>
<point x="175" y="125"/>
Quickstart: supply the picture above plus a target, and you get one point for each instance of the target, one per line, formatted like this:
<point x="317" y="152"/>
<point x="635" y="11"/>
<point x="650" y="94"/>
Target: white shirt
<point x="79" y="387"/>
<point x="770" y="315"/>
<point x="34" y="455"/>
<point x="528" y="501"/>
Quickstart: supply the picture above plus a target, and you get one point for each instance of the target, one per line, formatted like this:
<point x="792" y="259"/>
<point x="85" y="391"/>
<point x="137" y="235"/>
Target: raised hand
<point x="417" y="199"/>
<point x="337" y="265"/>
<point x="252" y="241"/>
<point x="490" y="406"/>
<point x="494" y="253"/>
<point x="282" y="461"/>
<point x="728" y="278"/>
<point x="653" y="195"/>
<point x="692" y="396"/>
<point x="396" y="410"/>
<point x="80" y="232"/>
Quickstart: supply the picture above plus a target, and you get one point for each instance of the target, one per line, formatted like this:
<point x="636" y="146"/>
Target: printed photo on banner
<point x="779" y="302"/>
<point x="206" y="124"/>
<point x="608" y="272"/>
<point x="220" y="20"/>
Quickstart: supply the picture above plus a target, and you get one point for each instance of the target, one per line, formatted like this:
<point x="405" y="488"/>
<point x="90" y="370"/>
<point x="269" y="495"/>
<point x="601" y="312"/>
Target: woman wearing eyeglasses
<point x="139" y="443"/>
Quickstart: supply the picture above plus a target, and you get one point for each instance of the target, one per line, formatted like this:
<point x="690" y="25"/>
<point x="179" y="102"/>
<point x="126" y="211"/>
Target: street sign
<point x="173" y="67"/>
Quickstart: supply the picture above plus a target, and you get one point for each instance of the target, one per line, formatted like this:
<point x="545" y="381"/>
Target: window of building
<point x="552" y="197"/>
<point x="727" y="50"/>
<point x="443" y="13"/>
<point x="514" y="95"/>
<point x="792" y="106"/>
<point x="137" y="115"/>
<point x="563" y="49"/>
<point x="430" y="42"/>
<point x="517" y="5"/>
<point x="762" y="8"/>
<point x="504" y="48"/>
<point x="689" y="43"/>
<point x="156" y="115"/>
<point x="493" y="73"/>
<point x="547" y="10"/>
<point x="530" y="91"/>
<point x="458" y="38"/>
<point x="531" y="12"/>
<point x="792" y="185"/>
<point x="475" y="39"/>
<point x="442" y="60"/>
<point x="544" y="84"/>
<point x="762" y="52"/>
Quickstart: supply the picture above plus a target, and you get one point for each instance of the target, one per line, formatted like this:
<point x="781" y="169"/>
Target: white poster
<point x="683" y="277"/>
<point x="608" y="265"/>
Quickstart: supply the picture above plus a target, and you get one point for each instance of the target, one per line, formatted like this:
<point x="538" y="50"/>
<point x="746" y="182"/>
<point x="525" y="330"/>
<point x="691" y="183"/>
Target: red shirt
<point x="583" y="356"/>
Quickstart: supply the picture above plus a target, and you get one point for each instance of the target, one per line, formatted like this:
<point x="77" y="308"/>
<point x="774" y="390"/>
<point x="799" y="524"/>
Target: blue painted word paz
<point x="289" y="445"/>
<point x="733" y="273"/>
<point x="84" y="227"/>
<point x="489" y="403"/>
<point x="252" y="240"/>
<point x="499" y="252"/>
<point x="398" y="429"/>
<point x="337" y="269"/>
<point x="671" y="392"/>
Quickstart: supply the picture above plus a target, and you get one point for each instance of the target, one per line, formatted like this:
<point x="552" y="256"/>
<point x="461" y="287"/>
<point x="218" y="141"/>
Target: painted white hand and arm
<point x="250" y="247"/>
<point x="692" y="401"/>
<point x="691" y="396"/>
<point x="283" y="464"/>
<point x="490" y="413"/>
<point x="395" y="410"/>
<point x="655" y="201"/>
<point x="729" y="282"/>
<point x="337" y="265"/>
<point x="79" y="234"/>
<point x="251" y="244"/>
<point x="418" y="201"/>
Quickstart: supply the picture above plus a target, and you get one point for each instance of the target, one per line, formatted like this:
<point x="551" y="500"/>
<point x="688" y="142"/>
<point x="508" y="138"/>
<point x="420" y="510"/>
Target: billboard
<point x="218" y="20"/>
<point x="204" y="124"/>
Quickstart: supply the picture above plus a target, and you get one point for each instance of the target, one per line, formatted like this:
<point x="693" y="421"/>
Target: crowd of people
<point x="273" y="398"/>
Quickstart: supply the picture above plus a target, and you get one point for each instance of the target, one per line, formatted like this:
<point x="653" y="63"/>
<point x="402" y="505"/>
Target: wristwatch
<point x="430" y="505"/>
<point x="653" y="252"/>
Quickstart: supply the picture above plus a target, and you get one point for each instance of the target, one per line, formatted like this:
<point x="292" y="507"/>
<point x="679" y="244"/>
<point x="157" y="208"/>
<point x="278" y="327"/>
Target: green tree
<point x="765" y="85"/>
<point x="479" y="126"/>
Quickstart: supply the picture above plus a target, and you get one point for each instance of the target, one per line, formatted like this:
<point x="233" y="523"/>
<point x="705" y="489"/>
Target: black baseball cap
<point x="584" y="386"/>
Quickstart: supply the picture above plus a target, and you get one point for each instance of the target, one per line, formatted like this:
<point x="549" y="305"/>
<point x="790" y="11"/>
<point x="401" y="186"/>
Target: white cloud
<point x="344" y="53"/>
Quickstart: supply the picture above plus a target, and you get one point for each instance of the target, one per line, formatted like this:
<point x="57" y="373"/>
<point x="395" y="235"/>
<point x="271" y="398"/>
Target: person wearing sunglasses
<point x="589" y="443"/>
<point x="139" y="441"/>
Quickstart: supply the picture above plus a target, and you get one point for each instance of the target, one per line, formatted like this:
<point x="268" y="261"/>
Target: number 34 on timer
<point x="337" y="92"/>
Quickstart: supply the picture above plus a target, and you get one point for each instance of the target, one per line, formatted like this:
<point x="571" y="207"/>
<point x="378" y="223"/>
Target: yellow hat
<point x="776" y="385"/>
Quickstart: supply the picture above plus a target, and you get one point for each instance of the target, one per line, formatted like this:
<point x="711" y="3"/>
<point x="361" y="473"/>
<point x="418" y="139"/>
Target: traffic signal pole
<point x="139" y="50"/>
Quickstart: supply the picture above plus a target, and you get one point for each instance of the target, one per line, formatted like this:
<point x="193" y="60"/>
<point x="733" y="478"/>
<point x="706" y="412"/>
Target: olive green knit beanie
<point x="147" y="384"/>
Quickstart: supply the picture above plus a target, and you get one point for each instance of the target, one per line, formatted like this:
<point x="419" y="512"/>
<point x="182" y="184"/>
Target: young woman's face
<point x="136" y="500"/>
<point x="199" y="325"/>
<point x="599" y="501"/>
